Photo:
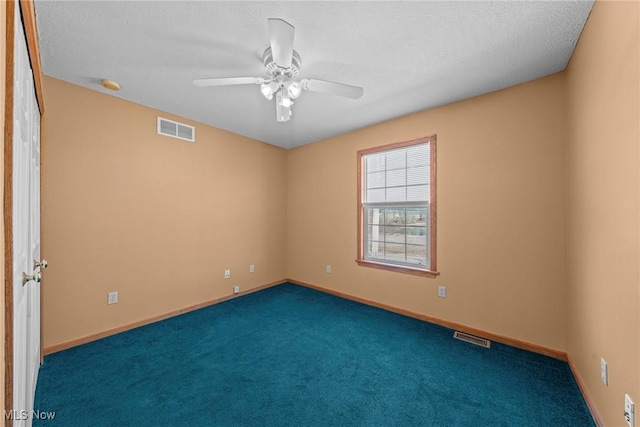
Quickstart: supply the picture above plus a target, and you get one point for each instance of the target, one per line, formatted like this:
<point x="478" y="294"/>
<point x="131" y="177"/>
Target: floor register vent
<point x="472" y="339"/>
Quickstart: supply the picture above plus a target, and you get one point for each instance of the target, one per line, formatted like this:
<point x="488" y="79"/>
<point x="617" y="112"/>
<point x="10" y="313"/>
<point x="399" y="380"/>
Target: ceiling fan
<point x="282" y="63"/>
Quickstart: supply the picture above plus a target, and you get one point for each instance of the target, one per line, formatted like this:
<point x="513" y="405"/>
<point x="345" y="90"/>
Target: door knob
<point x="42" y="264"/>
<point x="36" y="277"/>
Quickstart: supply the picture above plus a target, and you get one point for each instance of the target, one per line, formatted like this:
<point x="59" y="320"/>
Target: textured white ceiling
<point x="408" y="56"/>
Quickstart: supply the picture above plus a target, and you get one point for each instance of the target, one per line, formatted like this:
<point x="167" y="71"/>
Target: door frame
<point x="27" y="8"/>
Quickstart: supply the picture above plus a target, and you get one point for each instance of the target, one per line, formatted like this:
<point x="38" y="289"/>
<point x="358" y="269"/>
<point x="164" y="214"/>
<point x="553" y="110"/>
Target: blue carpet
<point x="292" y="356"/>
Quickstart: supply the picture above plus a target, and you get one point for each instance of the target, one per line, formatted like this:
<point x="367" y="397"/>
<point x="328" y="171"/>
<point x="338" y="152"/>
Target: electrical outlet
<point x="236" y="289"/>
<point x="629" y="411"/>
<point x="227" y="274"/>
<point x="113" y="298"/>
<point x="328" y="269"/>
<point x="604" y="371"/>
<point x="442" y="291"/>
<point x="252" y="268"/>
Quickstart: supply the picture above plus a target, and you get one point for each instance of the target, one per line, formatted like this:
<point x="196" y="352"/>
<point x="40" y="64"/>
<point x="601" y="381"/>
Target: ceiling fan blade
<point x="227" y="81"/>
<point x="340" y="89"/>
<point x="281" y="36"/>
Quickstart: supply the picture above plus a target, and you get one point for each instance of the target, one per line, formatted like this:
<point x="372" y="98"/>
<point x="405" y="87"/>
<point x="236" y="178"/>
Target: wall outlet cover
<point x="629" y="411"/>
<point x="442" y="291"/>
<point x="604" y="371"/>
<point x="227" y="274"/>
<point x="112" y="298"/>
<point x="236" y="289"/>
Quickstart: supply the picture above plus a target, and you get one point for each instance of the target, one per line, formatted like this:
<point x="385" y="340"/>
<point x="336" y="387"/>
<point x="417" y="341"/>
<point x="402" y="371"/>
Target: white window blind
<point x="400" y="175"/>
<point x="396" y="196"/>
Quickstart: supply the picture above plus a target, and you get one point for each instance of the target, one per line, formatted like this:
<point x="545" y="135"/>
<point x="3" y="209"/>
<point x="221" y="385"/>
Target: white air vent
<point x="472" y="339"/>
<point x="176" y="130"/>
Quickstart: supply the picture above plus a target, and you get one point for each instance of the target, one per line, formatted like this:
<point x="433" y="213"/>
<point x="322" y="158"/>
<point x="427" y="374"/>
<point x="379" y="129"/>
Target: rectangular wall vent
<point x="176" y="130"/>
<point x="472" y="339"/>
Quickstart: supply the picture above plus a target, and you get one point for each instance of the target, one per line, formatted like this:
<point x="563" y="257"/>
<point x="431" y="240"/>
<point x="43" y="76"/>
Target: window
<point x="397" y="207"/>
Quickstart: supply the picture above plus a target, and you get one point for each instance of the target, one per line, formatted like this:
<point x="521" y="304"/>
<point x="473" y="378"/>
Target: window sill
<point x="398" y="269"/>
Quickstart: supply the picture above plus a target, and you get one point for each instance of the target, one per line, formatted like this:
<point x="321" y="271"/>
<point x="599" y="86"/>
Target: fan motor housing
<point x="273" y="68"/>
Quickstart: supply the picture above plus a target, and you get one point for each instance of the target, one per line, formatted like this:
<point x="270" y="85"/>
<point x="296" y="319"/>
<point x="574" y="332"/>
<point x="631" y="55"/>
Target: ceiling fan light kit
<point x="268" y="89"/>
<point x="294" y="89"/>
<point x="283" y="63"/>
<point x="283" y="106"/>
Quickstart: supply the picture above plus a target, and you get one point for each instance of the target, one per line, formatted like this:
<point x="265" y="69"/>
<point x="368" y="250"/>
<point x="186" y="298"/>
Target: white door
<point x="26" y="232"/>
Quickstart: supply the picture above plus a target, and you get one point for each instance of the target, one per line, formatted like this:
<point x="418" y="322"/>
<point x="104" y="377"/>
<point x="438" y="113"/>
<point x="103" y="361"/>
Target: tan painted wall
<point x="155" y="218"/>
<point x="3" y="38"/>
<point x="603" y="206"/>
<point x="501" y="214"/>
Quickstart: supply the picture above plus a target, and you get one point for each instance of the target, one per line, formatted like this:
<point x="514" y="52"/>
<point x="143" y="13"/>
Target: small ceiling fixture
<point x="282" y="63"/>
<point x="110" y="84"/>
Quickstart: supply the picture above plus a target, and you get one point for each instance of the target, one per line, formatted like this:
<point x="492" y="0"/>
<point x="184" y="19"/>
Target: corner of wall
<point x="521" y="235"/>
<point x="603" y="205"/>
<point x="197" y="209"/>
